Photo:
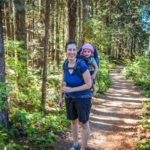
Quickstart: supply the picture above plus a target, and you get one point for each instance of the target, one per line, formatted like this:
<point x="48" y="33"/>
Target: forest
<point x="33" y="34"/>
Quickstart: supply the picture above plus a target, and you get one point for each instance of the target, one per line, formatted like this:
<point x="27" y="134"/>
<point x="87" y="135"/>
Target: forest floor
<point x="114" y="117"/>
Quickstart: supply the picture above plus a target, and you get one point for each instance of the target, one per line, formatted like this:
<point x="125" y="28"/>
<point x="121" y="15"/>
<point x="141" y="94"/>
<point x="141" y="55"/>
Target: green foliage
<point x="24" y="86"/>
<point x="5" y="142"/>
<point x="54" y="80"/>
<point x="145" y="122"/>
<point x="16" y="65"/>
<point x="3" y="1"/>
<point x="139" y="71"/>
<point x="30" y="128"/>
<point x="30" y="97"/>
<point x="103" y="73"/>
<point x="3" y="136"/>
<point x="98" y="34"/>
<point x="145" y="145"/>
<point x="44" y="131"/>
<point x="116" y="24"/>
<point x="147" y="105"/>
<point x="39" y="131"/>
<point x="13" y="145"/>
<point x="145" y="118"/>
<point x="3" y="94"/>
<point x="33" y="130"/>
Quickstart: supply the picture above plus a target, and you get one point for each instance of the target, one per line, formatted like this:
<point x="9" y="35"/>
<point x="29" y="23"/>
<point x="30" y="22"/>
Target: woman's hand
<point x="67" y="89"/>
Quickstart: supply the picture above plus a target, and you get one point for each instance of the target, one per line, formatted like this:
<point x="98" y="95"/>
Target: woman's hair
<point x="70" y="42"/>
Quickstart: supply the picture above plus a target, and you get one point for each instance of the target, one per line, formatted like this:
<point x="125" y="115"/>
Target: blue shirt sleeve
<point x="83" y="67"/>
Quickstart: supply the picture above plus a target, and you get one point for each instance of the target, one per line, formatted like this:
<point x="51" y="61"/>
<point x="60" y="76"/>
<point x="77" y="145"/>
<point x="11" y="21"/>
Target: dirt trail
<point x="113" y="118"/>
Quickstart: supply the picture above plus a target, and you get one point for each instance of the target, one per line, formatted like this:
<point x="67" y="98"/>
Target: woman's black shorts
<point x="78" y="108"/>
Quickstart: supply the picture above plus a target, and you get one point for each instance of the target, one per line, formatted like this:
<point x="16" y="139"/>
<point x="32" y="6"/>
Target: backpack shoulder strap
<point x="78" y="67"/>
<point x="65" y="65"/>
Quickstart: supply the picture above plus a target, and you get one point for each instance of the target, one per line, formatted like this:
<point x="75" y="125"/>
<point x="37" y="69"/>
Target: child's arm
<point x="95" y="69"/>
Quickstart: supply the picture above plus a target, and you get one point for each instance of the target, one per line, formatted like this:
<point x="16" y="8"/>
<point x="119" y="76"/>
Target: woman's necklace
<point x="71" y="66"/>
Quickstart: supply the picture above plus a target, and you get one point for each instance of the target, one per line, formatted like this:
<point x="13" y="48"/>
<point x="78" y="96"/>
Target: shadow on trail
<point x="123" y="99"/>
<point x="120" y="87"/>
<point x="111" y="127"/>
<point x="122" y="95"/>
<point x="118" y="107"/>
<point x="115" y="115"/>
<point x="110" y="122"/>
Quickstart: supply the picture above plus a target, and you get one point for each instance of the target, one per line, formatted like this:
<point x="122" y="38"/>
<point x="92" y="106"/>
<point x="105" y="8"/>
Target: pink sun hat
<point x="87" y="46"/>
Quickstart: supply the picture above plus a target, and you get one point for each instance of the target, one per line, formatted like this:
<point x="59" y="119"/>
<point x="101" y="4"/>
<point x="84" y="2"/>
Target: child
<point x="88" y="53"/>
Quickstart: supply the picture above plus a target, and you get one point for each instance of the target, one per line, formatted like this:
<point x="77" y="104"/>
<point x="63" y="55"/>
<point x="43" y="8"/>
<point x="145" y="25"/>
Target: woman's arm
<point x="95" y="69"/>
<point x="87" y="85"/>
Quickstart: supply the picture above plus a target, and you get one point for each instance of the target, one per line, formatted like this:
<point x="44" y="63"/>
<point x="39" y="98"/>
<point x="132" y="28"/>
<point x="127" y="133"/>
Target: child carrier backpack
<point x="96" y="59"/>
<point x="78" y="69"/>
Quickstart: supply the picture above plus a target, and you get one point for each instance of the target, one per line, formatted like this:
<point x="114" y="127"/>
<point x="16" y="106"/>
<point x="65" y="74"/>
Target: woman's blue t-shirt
<point x="74" y="79"/>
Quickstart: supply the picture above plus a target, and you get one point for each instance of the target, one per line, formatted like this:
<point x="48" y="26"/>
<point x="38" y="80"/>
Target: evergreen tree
<point x="3" y="99"/>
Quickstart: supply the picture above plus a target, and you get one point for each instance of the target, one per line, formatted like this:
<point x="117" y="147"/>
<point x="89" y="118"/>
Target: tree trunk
<point x="66" y="21"/>
<point x="85" y="9"/>
<point x="92" y="9"/>
<point x="9" y="33"/>
<point x="47" y="14"/>
<point x="80" y="23"/>
<point x="7" y="21"/>
<point x="77" y="23"/>
<point x="63" y="33"/>
<point x="20" y="21"/>
<point x="20" y="31"/>
<point x="33" y="18"/>
<point x="57" y="35"/>
<point x="13" y="27"/>
<point x="131" y="49"/>
<point x="85" y="17"/>
<point x="149" y="47"/>
<point x="3" y="99"/>
<point x="52" y="31"/>
<point x="72" y="18"/>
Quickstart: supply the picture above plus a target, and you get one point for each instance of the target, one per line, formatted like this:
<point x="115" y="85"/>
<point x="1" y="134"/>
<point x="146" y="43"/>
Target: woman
<point x="77" y="94"/>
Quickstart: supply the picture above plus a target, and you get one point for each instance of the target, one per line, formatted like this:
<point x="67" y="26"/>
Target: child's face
<point x="87" y="53"/>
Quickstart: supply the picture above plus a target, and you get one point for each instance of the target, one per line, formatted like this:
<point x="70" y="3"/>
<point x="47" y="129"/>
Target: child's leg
<point x="94" y="89"/>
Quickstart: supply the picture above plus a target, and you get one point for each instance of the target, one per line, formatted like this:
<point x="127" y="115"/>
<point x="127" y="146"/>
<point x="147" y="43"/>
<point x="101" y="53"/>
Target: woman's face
<point x="71" y="51"/>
